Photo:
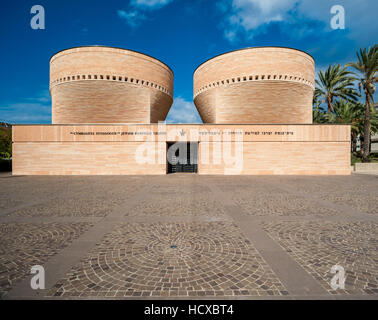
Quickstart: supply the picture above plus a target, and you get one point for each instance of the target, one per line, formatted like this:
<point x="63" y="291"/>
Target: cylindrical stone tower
<point x="256" y="85"/>
<point x="109" y="85"/>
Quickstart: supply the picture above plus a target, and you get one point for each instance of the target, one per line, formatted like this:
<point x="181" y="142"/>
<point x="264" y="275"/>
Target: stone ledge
<point x="366" y="167"/>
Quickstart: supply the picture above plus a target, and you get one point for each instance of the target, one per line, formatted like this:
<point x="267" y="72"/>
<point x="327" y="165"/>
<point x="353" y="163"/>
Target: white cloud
<point x="84" y="31"/>
<point x="80" y="27"/>
<point x="150" y="4"/>
<point x="249" y="17"/>
<point x="360" y="17"/>
<point x="31" y="110"/>
<point x="183" y="111"/>
<point x="132" y="18"/>
<point x="250" y="14"/>
<point x="42" y="97"/>
<point x="134" y="15"/>
<point x="230" y="35"/>
<point x="26" y="113"/>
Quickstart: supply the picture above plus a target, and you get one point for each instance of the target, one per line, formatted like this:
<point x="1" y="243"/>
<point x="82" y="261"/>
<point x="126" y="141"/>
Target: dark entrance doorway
<point x="182" y="157"/>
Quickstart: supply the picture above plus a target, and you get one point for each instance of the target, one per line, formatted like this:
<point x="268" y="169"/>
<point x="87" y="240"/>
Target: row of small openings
<point x="252" y="78"/>
<point x="114" y="78"/>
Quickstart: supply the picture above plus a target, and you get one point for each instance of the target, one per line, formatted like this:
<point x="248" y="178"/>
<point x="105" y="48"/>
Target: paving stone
<point x="68" y="208"/>
<point x="318" y="246"/>
<point x="209" y="257"/>
<point x="183" y="206"/>
<point x="25" y="245"/>
<point x="280" y="204"/>
<point x="366" y="203"/>
<point x="212" y="256"/>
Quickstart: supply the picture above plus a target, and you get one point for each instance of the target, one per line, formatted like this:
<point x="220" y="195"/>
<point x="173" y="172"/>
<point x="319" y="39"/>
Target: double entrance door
<point x="182" y="157"/>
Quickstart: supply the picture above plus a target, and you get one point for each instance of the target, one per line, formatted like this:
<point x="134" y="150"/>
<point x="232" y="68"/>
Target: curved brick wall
<point x="256" y="85"/>
<point x="109" y="85"/>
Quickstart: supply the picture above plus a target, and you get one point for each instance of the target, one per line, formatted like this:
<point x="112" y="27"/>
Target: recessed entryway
<point x="182" y="157"/>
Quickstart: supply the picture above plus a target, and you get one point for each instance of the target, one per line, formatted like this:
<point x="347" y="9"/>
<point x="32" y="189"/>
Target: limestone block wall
<point x="112" y="149"/>
<point x="109" y="85"/>
<point x="256" y="85"/>
<point x="285" y="158"/>
<point x="84" y="158"/>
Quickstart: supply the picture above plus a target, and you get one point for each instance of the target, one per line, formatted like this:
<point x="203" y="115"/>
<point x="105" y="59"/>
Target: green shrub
<point x="5" y="165"/>
<point x="5" y="142"/>
<point x="356" y="158"/>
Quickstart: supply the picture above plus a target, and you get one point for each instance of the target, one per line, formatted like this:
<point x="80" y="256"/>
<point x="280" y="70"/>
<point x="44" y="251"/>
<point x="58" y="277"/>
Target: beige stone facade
<point x="109" y="85"/>
<point x="256" y="85"/>
<point x="255" y="103"/>
<point x="142" y="149"/>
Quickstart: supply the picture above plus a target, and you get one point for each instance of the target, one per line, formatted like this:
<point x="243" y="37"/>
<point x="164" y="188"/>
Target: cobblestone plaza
<point x="189" y="236"/>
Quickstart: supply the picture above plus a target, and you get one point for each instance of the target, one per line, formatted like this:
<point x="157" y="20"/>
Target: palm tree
<point x="319" y="115"/>
<point x="374" y="125"/>
<point x="367" y="66"/>
<point x="336" y="82"/>
<point x="348" y="113"/>
<point x="315" y="100"/>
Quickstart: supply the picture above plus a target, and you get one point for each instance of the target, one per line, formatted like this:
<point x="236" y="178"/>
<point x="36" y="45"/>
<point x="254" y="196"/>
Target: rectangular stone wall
<point x="231" y="149"/>
<point x="83" y="158"/>
<point x="281" y="158"/>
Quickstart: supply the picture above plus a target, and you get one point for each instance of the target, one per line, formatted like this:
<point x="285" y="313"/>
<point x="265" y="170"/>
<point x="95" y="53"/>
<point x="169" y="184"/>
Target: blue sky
<point x="181" y="33"/>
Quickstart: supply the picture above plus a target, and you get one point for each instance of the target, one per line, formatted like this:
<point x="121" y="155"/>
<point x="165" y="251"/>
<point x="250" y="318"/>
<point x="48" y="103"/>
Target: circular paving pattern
<point x="25" y="245"/>
<point x="154" y="256"/>
<point x="366" y="203"/>
<point x="176" y="259"/>
<point x="67" y="195"/>
<point x="70" y="207"/>
<point x="279" y="204"/>
<point x="7" y="203"/>
<point x="323" y="187"/>
<point x="317" y="246"/>
<point x="190" y="205"/>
